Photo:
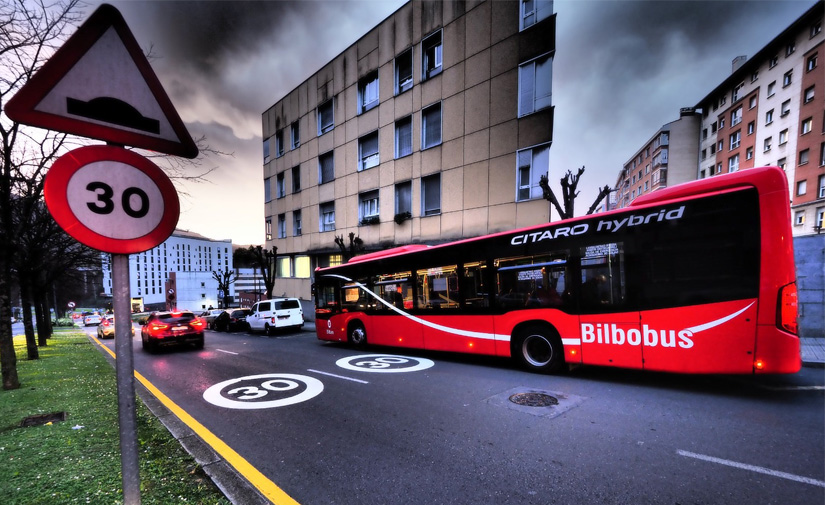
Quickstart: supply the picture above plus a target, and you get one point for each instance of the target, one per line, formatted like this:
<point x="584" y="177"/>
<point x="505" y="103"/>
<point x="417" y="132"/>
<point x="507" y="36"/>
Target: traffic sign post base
<point x="124" y="367"/>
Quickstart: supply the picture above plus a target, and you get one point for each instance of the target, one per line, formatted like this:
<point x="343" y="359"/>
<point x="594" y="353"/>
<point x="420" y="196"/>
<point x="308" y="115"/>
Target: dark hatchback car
<point x="232" y="320"/>
<point x="172" y="328"/>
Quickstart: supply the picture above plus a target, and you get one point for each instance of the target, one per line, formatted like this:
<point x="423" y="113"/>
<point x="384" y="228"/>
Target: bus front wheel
<point x="358" y="335"/>
<point x="539" y="349"/>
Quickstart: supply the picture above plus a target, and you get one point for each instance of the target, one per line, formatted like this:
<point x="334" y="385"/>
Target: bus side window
<point x="532" y="282"/>
<point x="396" y="291"/>
<point x="325" y="297"/>
<point x="474" y="292"/>
<point x="438" y="288"/>
<point x="353" y="298"/>
<point x="602" y="277"/>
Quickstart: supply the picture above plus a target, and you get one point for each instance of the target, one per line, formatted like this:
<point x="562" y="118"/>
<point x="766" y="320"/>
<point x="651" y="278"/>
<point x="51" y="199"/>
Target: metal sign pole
<point x="124" y="366"/>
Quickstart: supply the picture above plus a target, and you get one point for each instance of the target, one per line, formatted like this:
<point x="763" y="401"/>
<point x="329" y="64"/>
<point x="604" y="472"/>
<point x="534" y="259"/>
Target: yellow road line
<point x="268" y="488"/>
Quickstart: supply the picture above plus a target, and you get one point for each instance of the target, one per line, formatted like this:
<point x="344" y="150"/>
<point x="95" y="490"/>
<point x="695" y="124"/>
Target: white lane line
<point x="752" y="468"/>
<point x="337" y="376"/>
<point x="795" y="388"/>
<point x="227" y="352"/>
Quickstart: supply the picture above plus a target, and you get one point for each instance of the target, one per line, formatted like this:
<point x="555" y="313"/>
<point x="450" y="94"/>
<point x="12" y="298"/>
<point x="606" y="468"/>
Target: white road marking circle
<point x="257" y="391"/>
<point x="384" y="363"/>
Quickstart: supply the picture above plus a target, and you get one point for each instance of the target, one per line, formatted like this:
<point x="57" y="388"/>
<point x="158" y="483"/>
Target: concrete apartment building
<point x="183" y="264"/>
<point x="669" y="157"/>
<point x="434" y="126"/>
<point x="769" y="111"/>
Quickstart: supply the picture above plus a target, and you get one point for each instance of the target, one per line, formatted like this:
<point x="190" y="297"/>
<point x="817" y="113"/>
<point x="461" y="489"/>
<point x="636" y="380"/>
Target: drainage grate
<point x="534" y="399"/>
<point x="41" y="419"/>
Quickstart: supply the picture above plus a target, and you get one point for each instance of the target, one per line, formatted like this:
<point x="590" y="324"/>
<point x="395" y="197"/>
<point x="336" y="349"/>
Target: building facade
<point x="434" y="126"/>
<point x="669" y="157"/>
<point x="769" y="111"/>
<point x="175" y="274"/>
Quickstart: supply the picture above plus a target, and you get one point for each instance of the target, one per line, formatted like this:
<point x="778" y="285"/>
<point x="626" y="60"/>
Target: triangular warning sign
<point x="100" y="85"/>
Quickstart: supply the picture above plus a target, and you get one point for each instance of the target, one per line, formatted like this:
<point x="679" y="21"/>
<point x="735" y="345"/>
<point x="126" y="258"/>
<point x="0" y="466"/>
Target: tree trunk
<point x="25" y="301"/>
<point x="8" y="358"/>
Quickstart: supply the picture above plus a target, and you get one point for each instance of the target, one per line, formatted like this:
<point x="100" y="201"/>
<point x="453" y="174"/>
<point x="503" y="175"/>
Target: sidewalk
<point x="813" y="352"/>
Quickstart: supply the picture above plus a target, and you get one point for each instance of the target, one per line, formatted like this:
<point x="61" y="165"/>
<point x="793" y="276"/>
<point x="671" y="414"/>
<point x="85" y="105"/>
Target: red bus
<point x="695" y="278"/>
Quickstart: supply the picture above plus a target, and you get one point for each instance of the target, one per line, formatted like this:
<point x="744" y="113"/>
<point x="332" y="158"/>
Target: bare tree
<point x="265" y="260"/>
<point x="29" y="33"/>
<point x="354" y="248"/>
<point x="225" y="279"/>
<point x="569" y="183"/>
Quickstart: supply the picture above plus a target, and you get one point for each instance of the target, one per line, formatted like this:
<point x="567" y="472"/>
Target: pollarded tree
<point x="569" y="183"/>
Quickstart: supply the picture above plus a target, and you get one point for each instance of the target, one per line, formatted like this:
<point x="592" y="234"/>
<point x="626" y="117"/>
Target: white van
<point x="268" y="315"/>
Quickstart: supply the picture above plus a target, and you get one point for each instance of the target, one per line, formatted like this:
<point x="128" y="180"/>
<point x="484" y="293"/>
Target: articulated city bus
<point x="695" y="278"/>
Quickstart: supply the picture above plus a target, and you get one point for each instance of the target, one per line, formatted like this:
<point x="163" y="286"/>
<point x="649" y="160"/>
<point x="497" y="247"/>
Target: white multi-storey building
<point x="176" y="274"/>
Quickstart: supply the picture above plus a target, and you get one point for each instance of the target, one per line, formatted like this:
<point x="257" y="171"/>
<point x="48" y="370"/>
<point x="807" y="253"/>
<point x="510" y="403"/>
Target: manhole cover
<point x="534" y="399"/>
<point x="41" y="419"/>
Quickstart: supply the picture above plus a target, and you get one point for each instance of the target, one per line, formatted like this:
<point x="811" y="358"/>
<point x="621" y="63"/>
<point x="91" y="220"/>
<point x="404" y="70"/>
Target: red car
<point x="172" y="328"/>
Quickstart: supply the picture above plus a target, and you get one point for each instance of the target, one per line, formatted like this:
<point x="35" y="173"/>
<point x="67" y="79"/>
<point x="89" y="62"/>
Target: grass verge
<point x="78" y="460"/>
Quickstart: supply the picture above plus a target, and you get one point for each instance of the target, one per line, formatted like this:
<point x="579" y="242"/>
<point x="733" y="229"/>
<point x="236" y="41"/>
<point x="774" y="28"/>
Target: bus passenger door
<point x="390" y="322"/>
<point x="611" y="339"/>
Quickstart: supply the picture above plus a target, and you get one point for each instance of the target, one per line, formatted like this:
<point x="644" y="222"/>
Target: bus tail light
<point x="786" y="311"/>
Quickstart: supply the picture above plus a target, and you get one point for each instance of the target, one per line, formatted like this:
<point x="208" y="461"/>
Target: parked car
<point x="106" y="329"/>
<point x="172" y="328"/>
<point x="269" y="315"/>
<point x="210" y="316"/>
<point x="91" y="319"/>
<point x="232" y="320"/>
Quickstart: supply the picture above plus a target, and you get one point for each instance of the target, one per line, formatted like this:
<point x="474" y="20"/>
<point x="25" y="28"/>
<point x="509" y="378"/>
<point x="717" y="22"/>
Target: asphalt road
<point x="330" y="424"/>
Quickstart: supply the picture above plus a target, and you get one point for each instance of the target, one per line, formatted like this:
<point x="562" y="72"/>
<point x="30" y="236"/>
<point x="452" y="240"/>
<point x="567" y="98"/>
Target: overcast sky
<point x="622" y="70"/>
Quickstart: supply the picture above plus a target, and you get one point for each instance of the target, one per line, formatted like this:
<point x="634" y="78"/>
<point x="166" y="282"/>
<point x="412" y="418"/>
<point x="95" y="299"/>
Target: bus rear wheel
<point x="539" y="349"/>
<point x="358" y="335"/>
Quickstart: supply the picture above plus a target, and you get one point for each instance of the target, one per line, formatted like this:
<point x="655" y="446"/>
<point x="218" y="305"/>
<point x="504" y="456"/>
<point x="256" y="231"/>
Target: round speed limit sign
<point x="112" y="199"/>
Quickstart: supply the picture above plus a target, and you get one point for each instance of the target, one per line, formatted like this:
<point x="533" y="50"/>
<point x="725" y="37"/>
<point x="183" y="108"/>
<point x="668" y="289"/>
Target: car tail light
<point x="157" y="328"/>
<point x="787" y="310"/>
<point x="197" y="323"/>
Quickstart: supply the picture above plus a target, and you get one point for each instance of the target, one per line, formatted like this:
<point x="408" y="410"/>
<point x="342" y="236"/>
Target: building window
<point x="268" y="228"/>
<point x="368" y="151"/>
<point x="403" y="199"/>
<point x="303" y="268"/>
<point x="279" y="143"/>
<point x="281" y="225"/>
<point x="751" y="127"/>
<point x="767" y="145"/>
<point x="737" y="92"/>
<point x="804" y="156"/>
<point x="404" y="71"/>
<point x="822" y="158"/>
<point x="809" y="94"/>
<point x="326" y="121"/>
<point x="771" y="89"/>
<point x="533" y="11"/>
<point x="786" y="108"/>
<point x="801" y="187"/>
<point x="431" y="195"/>
<point x="799" y="218"/>
<point x="431" y="55"/>
<point x="403" y="137"/>
<point x="368" y="207"/>
<point x="752" y="102"/>
<point x="296" y="179"/>
<point x="268" y="189"/>
<point x="774" y="61"/>
<point x="787" y="79"/>
<point x="326" y="212"/>
<point x="535" y="85"/>
<point x="734" y="140"/>
<point x="368" y="92"/>
<point x="783" y="136"/>
<point x="816" y="28"/>
<point x="755" y="75"/>
<point x="266" y="151"/>
<point x="531" y="165"/>
<point x="790" y="48"/>
<point x="769" y="117"/>
<point x="297" y="224"/>
<point x="820" y="217"/>
<point x="821" y="185"/>
<point x="280" y="185"/>
<point x="807" y="125"/>
<point x="782" y="163"/>
<point x="749" y="153"/>
<point x="295" y="128"/>
<point x="811" y="62"/>
<point x="431" y="126"/>
<point x="326" y="167"/>
<point x="736" y="117"/>
<point x="283" y="267"/>
<point x="733" y="163"/>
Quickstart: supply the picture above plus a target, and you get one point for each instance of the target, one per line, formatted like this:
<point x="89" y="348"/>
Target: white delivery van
<point x="269" y="315"/>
